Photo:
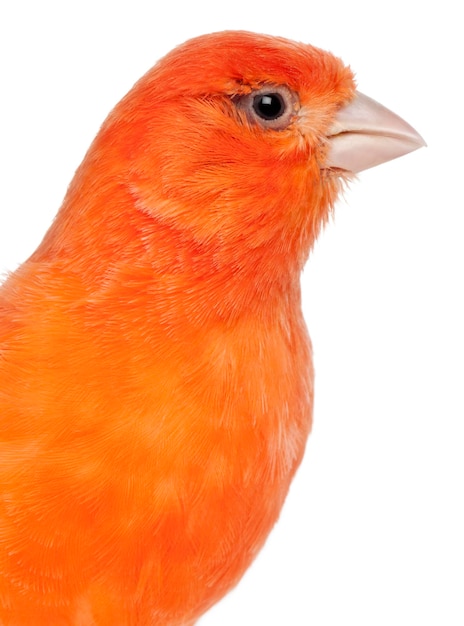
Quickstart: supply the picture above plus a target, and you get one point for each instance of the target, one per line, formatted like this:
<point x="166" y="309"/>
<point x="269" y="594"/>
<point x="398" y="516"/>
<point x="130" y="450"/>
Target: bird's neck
<point x="103" y="239"/>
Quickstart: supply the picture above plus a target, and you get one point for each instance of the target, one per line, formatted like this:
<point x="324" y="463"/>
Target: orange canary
<point x="156" y="375"/>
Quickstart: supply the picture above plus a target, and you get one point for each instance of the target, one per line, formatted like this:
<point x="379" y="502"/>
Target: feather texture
<point x="156" y="375"/>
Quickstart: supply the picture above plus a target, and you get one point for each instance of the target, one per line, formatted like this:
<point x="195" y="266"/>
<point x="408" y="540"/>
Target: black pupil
<point x="269" y="106"/>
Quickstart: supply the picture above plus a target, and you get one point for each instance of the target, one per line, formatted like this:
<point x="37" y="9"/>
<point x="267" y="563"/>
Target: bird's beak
<point x="365" y="134"/>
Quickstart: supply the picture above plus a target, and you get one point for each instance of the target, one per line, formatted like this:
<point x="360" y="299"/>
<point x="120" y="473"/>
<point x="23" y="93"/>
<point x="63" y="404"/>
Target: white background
<point x="372" y="531"/>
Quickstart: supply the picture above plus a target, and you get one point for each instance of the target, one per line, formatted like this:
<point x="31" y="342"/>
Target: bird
<point x="156" y="375"/>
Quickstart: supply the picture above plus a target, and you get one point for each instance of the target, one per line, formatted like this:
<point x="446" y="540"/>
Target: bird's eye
<point x="269" y="106"/>
<point x="272" y="106"/>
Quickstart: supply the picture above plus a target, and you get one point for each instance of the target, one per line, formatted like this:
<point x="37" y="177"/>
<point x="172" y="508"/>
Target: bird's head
<point x="238" y="143"/>
<point x="232" y="138"/>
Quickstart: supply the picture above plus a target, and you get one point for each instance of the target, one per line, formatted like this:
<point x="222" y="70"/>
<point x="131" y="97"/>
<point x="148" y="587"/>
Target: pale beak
<point x="365" y="134"/>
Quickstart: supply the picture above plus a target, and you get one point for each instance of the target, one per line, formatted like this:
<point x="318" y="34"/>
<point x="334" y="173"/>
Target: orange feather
<point x="156" y="376"/>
